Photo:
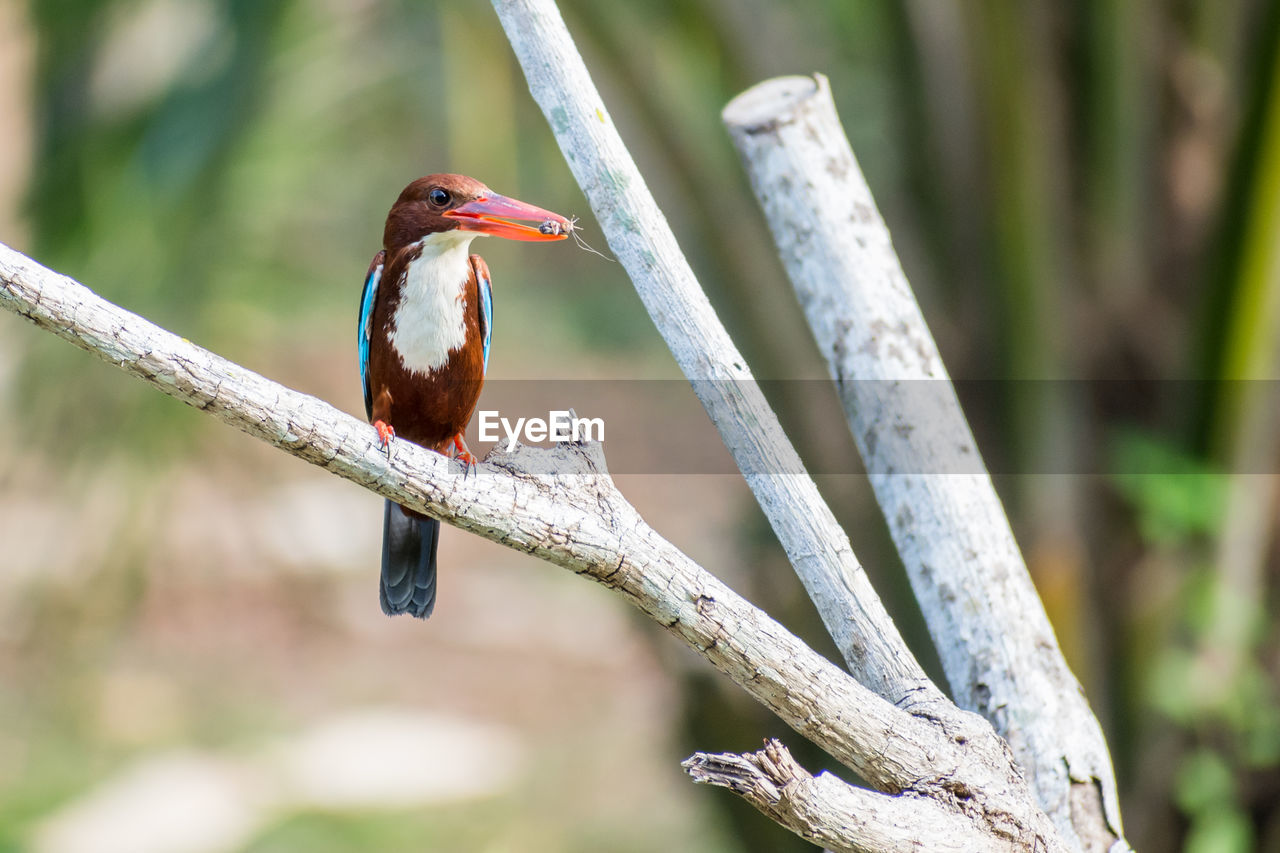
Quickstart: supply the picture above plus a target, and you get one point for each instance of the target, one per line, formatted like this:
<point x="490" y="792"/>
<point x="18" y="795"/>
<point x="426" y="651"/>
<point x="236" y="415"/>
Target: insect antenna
<point x="574" y="230"/>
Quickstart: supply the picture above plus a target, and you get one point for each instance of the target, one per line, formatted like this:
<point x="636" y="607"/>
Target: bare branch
<point x="997" y="646"/>
<point x="561" y="505"/>
<point x="775" y="783"/>
<point x="639" y="236"/>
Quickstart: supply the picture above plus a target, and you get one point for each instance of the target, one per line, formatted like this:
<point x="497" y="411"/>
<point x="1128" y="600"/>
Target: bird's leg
<point x="386" y="432"/>
<point x="463" y="454"/>
<point x="381" y="414"/>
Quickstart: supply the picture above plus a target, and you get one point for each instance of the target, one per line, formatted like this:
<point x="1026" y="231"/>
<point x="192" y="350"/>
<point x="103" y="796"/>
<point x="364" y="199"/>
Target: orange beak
<point x="490" y="214"/>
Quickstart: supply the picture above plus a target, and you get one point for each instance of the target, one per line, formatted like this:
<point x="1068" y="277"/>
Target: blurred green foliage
<point x="1174" y="494"/>
<point x="1086" y="192"/>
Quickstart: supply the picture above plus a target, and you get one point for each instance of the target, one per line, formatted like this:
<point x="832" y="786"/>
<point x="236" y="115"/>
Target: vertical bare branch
<point x="997" y="646"/>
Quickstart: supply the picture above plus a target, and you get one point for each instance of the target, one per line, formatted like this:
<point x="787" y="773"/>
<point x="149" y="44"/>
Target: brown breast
<point x="425" y="408"/>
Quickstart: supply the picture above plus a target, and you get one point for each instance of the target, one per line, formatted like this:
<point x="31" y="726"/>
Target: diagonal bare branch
<point x="642" y="240"/>
<point x="561" y="506"/>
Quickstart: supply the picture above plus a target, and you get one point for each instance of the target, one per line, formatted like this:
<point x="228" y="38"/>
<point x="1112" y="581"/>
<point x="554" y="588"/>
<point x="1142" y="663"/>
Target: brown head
<point x="439" y="203"/>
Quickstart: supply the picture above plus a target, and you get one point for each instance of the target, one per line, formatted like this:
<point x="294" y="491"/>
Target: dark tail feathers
<point x="408" y="562"/>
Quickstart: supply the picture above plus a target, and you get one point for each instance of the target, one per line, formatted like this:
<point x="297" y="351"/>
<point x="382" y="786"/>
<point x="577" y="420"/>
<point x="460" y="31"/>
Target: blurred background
<point x="1086" y="198"/>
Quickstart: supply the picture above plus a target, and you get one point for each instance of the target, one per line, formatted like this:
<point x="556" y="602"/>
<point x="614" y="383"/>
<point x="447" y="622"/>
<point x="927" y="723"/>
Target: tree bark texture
<point x="991" y="631"/>
<point x="777" y="785"/>
<point x="561" y="506"/>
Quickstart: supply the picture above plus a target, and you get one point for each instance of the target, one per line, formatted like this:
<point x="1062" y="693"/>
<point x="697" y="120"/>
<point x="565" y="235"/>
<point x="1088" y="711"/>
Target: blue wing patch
<point x="365" y="331"/>
<point x="486" y="310"/>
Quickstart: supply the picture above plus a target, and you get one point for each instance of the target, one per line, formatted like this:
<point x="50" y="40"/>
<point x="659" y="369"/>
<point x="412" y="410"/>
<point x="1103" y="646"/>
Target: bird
<point x="426" y="321"/>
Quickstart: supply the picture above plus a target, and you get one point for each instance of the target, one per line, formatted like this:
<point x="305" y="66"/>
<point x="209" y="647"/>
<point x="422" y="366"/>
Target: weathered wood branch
<point x="640" y="237"/>
<point x="775" y="783"/>
<point x="561" y="505"/>
<point x="991" y="631"/>
<point x="638" y="234"/>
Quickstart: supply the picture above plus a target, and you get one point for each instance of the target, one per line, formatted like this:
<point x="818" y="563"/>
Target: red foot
<point x="385" y="433"/>
<point x="463" y="454"/>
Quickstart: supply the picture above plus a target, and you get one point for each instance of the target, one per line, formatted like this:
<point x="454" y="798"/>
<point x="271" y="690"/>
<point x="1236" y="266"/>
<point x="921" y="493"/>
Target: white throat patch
<point x="430" y="321"/>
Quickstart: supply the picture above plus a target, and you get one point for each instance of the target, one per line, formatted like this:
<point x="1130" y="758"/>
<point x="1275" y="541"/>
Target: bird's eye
<point x="438" y="197"/>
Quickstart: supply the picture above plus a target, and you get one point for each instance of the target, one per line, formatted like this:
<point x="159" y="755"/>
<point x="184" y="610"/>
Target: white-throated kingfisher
<point x="426" y="316"/>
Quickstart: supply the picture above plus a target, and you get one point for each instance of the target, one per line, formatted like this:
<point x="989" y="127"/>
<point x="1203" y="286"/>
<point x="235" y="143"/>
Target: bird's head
<point x="440" y="203"/>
